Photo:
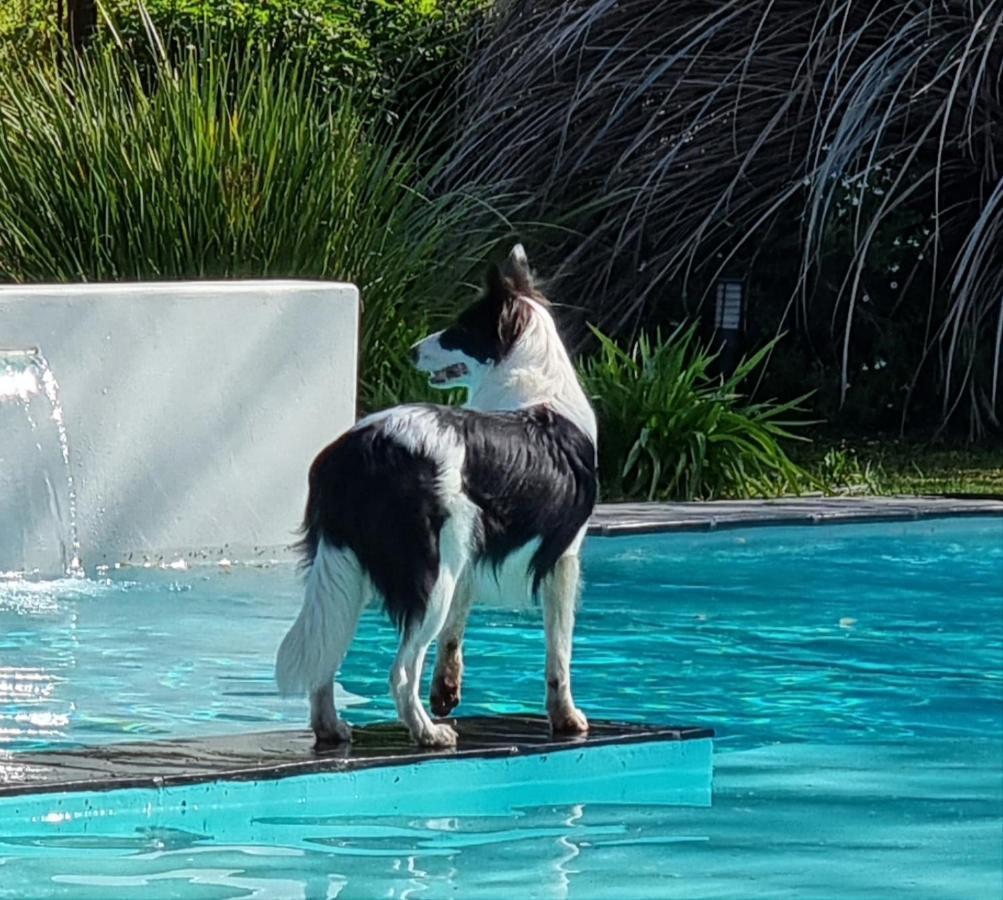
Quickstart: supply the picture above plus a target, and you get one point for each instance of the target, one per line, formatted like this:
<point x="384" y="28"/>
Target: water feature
<point x="38" y="530"/>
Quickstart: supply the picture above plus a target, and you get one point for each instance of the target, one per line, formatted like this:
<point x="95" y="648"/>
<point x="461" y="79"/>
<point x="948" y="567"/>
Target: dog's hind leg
<point x="327" y="727"/>
<point x="315" y="646"/>
<point x="448" y="678"/>
<point x="560" y="597"/>
<point x="405" y="678"/>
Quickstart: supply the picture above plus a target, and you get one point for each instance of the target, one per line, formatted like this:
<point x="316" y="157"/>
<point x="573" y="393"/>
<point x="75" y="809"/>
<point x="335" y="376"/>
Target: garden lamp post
<point x="729" y="319"/>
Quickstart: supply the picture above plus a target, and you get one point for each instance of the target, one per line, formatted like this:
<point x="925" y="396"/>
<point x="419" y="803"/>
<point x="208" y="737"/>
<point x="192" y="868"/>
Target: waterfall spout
<point x="38" y="516"/>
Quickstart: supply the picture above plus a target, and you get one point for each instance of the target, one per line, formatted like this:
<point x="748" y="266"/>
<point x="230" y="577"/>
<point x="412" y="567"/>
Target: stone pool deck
<point x="612" y="519"/>
<point x="617" y="519"/>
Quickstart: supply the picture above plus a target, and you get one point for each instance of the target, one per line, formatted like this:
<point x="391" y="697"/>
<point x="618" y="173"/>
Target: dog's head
<point x="506" y="351"/>
<point x="486" y="333"/>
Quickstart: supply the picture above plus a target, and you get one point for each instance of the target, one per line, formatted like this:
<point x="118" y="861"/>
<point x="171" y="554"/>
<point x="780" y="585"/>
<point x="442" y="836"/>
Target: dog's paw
<point x="445" y="695"/>
<point x="569" y="722"/>
<point x="439" y="735"/>
<point x="337" y="732"/>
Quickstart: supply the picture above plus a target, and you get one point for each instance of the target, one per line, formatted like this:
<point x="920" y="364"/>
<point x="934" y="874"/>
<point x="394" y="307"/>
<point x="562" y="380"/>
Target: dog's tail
<point x="315" y="646"/>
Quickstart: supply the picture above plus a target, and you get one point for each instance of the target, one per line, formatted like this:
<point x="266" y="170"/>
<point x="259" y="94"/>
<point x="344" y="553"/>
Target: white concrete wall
<point x="193" y="409"/>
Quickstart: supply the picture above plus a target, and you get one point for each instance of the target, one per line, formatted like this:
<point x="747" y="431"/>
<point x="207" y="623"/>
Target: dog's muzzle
<point x="450" y="373"/>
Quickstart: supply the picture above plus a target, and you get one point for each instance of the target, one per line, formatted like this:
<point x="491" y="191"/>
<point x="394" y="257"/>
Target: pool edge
<point x="625" y="519"/>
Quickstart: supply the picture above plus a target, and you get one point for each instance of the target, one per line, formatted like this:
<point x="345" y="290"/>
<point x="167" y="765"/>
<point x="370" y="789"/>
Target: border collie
<point x="431" y="507"/>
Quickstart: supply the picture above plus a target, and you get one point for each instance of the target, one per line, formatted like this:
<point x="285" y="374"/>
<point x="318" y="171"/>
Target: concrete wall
<point x="193" y="409"/>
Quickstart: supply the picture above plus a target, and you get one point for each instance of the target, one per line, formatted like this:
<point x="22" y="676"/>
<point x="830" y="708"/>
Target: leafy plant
<point x="229" y="165"/>
<point x="395" y="55"/>
<point x="669" y="428"/>
<point x="26" y="26"/>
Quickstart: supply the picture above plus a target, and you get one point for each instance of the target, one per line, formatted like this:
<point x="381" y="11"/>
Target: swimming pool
<point x="853" y="674"/>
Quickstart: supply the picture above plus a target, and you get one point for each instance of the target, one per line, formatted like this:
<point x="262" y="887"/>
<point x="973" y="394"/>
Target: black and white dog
<point x="431" y="507"/>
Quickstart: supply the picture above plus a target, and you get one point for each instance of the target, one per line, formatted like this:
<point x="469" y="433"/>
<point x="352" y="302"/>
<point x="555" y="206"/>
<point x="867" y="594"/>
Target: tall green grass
<point x="229" y="165"/>
<point x="671" y="429"/>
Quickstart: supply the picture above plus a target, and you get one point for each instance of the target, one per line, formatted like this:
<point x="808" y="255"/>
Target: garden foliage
<point x="672" y="428"/>
<point x="230" y="165"/>
<point x="845" y="156"/>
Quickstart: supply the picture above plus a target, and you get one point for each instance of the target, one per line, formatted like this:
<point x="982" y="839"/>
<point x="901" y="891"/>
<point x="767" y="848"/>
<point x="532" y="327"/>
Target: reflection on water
<point x="34" y="708"/>
<point x="744" y="632"/>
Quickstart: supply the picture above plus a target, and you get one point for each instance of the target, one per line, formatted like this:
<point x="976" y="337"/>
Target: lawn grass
<point x="884" y="468"/>
<point x="890" y="466"/>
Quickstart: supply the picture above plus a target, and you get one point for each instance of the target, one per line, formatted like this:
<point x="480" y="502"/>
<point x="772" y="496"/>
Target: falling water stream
<point x="38" y="515"/>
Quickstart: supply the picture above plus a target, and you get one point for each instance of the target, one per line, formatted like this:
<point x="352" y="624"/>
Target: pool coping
<point x="273" y="755"/>
<point x="623" y="519"/>
<point x="619" y="519"/>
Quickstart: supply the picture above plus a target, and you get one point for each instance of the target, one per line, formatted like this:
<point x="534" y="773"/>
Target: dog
<point x="429" y="507"/>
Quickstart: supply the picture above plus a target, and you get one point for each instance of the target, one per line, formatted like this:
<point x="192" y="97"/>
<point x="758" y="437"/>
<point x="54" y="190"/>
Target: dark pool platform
<point x="611" y="519"/>
<point x="273" y="755"/>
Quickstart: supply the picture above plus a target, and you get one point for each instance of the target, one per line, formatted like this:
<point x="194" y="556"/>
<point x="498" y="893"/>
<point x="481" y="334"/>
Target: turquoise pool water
<point x="854" y="676"/>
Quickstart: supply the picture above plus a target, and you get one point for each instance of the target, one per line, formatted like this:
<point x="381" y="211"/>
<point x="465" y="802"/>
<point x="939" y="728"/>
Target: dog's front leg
<point x="560" y="597"/>
<point x="447" y="680"/>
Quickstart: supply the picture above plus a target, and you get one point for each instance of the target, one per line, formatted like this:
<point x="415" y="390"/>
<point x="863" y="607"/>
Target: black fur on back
<point x="531" y="473"/>
<point x="372" y="495"/>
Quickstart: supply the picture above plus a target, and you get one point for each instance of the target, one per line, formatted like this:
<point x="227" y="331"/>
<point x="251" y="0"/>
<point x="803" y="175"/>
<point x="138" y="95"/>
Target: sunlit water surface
<point x="853" y="674"/>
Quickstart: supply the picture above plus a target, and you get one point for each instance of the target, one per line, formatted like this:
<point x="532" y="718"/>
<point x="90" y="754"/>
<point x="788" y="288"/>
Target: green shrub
<point x="228" y="168"/>
<point x="398" y="54"/>
<point x="842" y="471"/>
<point x="669" y="429"/>
<point x="26" y="26"/>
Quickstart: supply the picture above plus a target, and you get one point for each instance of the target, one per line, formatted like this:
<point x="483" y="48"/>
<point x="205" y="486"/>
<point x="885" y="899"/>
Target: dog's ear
<point x="510" y="313"/>
<point x="498" y="289"/>
<point x="516" y="270"/>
